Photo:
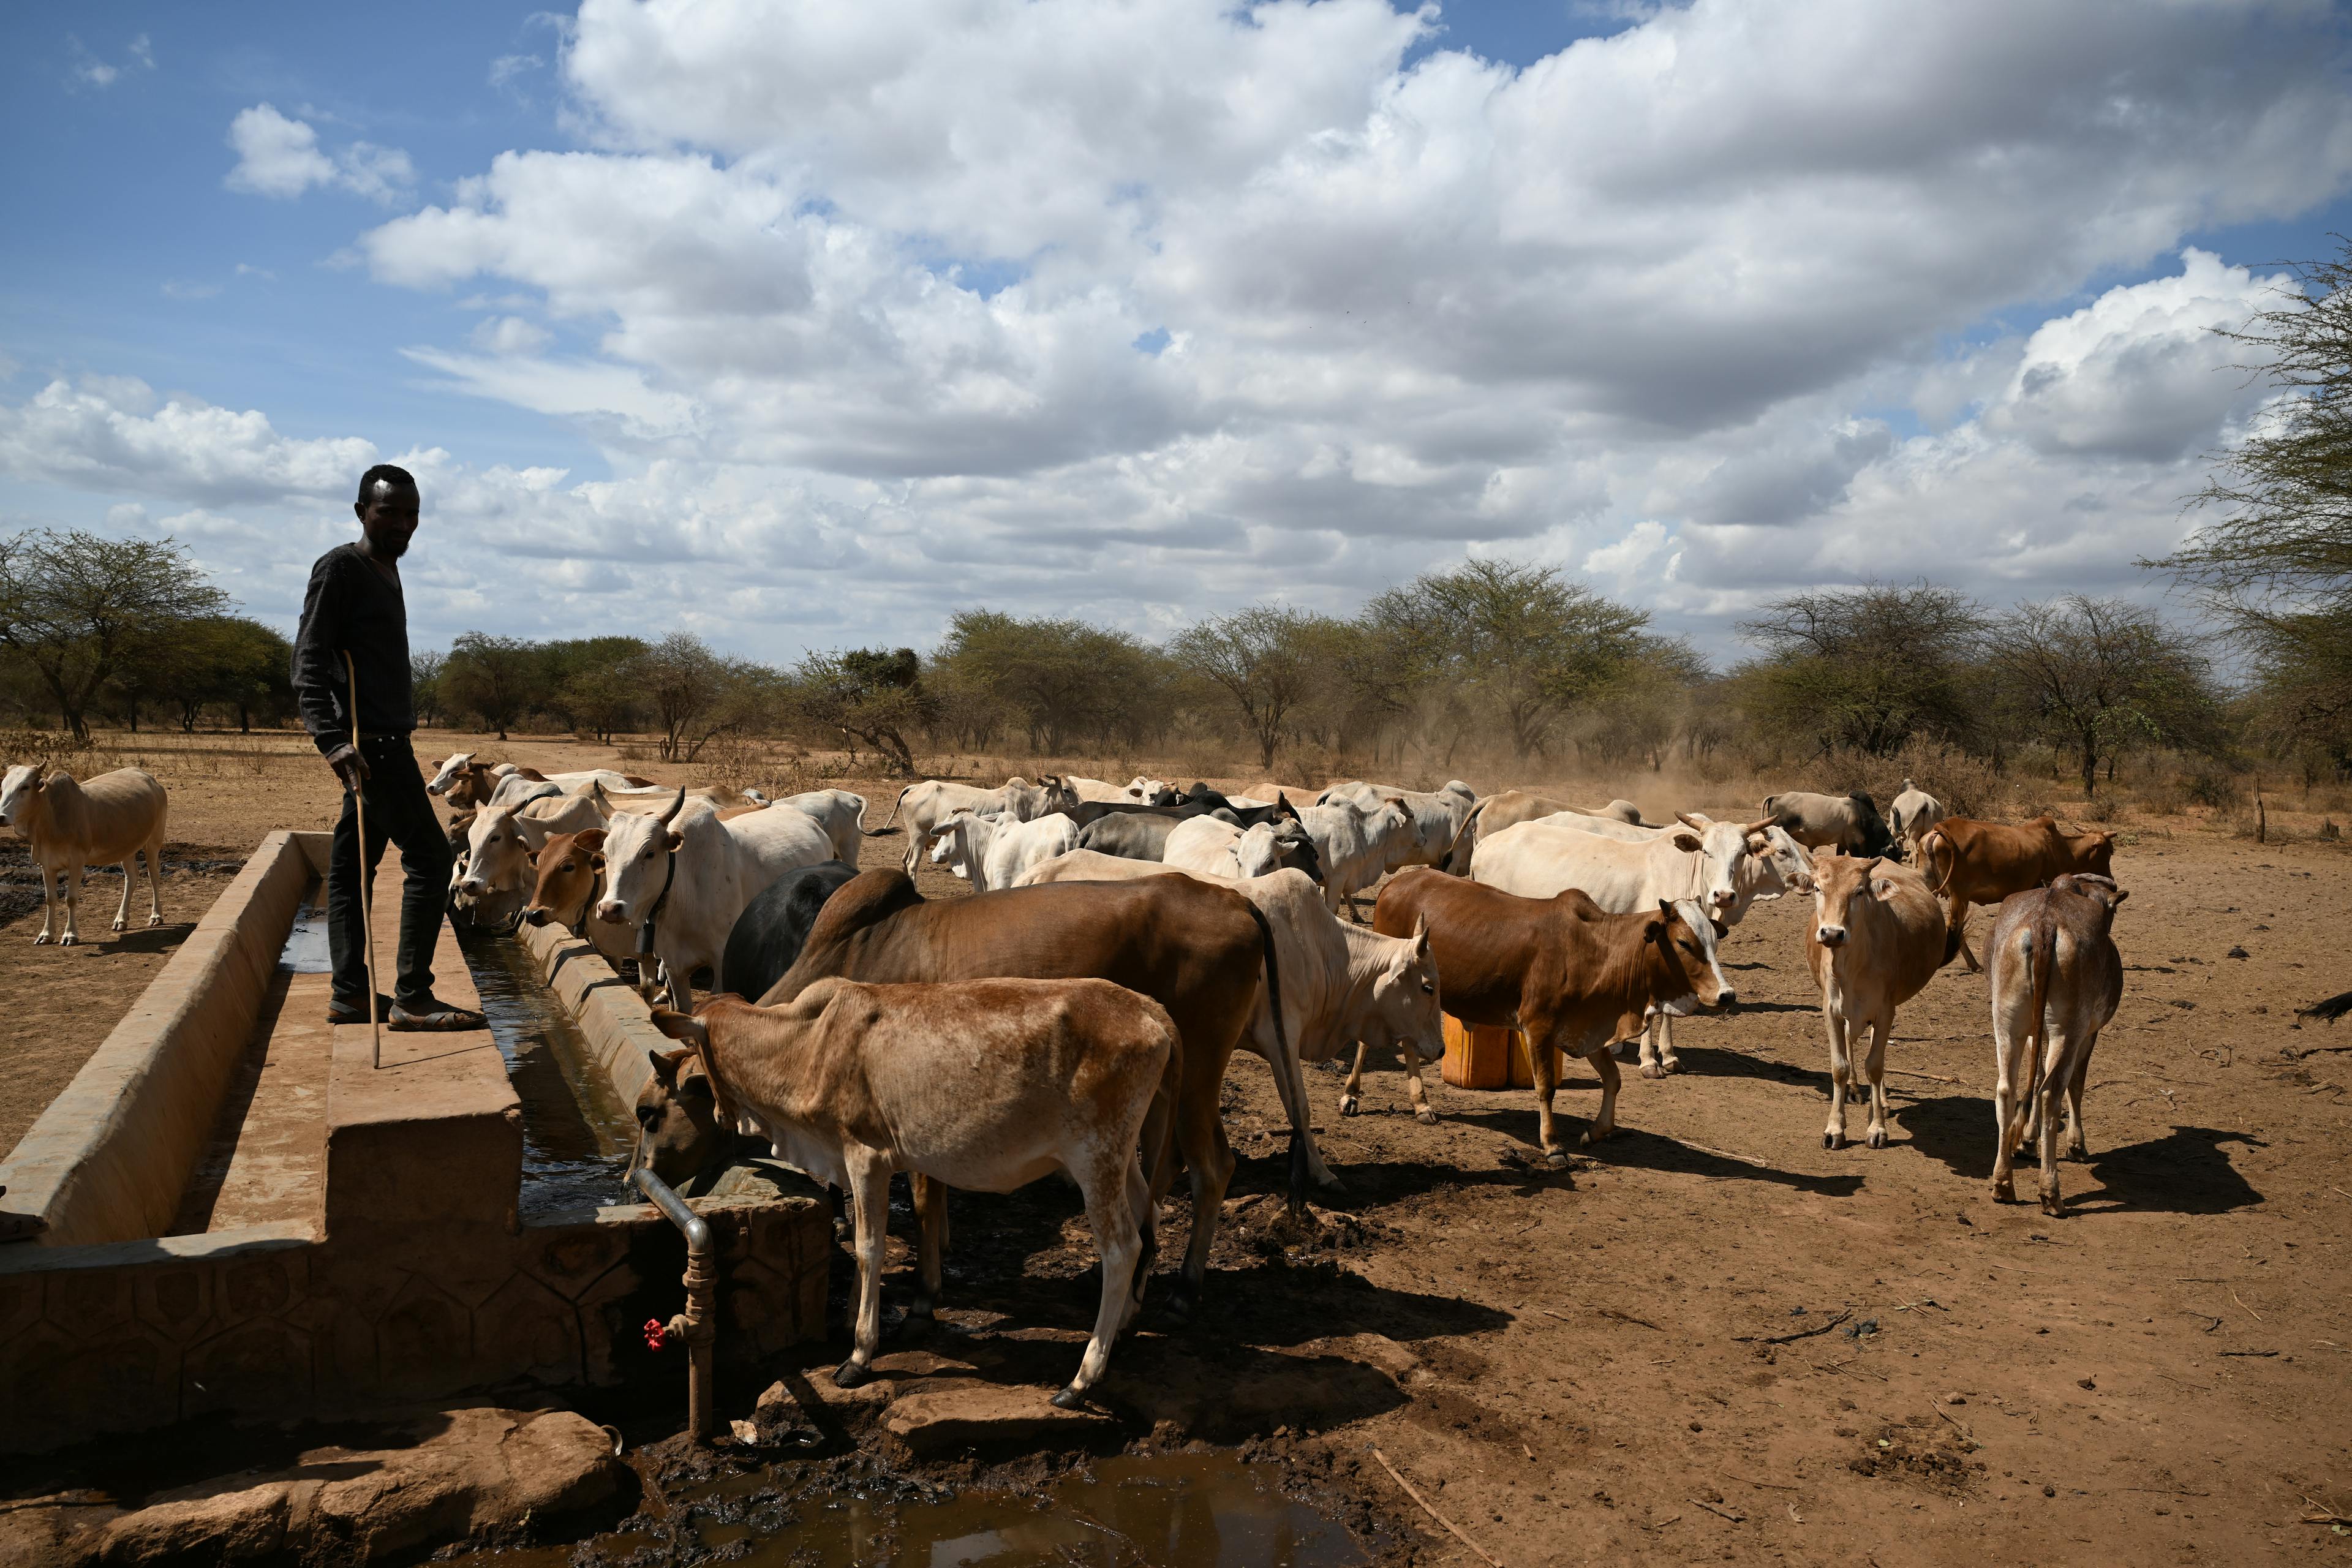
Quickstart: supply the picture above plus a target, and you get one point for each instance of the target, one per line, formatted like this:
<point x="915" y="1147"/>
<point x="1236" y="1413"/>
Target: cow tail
<point x="1930" y="842"/>
<point x="1469" y="826"/>
<point x="2040" y="964"/>
<point x="887" y="828"/>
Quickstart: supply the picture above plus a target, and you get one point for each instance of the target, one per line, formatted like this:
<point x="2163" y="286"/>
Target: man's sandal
<point x="438" y="1016"/>
<point x="342" y="1012"/>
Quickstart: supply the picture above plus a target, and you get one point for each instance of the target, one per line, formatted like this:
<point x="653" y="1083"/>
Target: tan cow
<point x="1342" y="985"/>
<point x="1513" y="807"/>
<point x="985" y="1085"/>
<point x="1969" y="862"/>
<point x="929" y="802"/>
<point x="1875" y="941"/>
<point x="67" y="824"/>
<point x="2056" y="980"/>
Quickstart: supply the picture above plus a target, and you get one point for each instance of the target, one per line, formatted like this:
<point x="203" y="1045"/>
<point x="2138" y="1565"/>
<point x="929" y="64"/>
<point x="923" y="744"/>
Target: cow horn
<point x="1759" y="825"/>
<point x="674" y="805"/>
<point x="1686" y="818"/>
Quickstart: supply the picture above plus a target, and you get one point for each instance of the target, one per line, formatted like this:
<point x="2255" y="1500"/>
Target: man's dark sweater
<point x="350" y="606"/>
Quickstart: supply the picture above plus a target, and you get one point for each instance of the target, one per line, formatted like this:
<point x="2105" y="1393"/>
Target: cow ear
<point x="683" y="1027"/>
<point x="1655" y="931"/>
<point x="1686" y="841"/>
<point x="592" y="841"/>
<point x="666" y="1063"/>
<point x="2117" y="902"/>
<point x="673" y="840"/>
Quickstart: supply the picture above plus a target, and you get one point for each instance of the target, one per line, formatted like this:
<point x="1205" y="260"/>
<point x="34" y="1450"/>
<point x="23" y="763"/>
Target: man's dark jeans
<point x="399" y="812"/>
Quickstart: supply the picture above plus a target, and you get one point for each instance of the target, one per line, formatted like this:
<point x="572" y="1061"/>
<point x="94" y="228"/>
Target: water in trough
<point x="576" y="1133"/>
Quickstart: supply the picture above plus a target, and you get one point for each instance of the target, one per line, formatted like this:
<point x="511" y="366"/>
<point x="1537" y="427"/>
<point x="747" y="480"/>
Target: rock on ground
<point x="475" y="1472"/>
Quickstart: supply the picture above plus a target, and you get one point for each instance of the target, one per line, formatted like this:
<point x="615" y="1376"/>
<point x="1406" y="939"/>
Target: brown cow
<point x="985" y="1085"/>
<point x="1197" y="949"/>
<point x="1562" y="973"/>
<point x="1969" y="862"/>
<point x="1875" y="941"/>
<point x="2056" y="980"/>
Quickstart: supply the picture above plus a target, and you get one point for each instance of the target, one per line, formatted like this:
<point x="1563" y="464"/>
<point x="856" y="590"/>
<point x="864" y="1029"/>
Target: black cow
<point x="767" y="937"/>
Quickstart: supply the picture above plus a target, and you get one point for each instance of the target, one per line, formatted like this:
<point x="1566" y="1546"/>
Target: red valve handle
<point x="656" y="1335"/>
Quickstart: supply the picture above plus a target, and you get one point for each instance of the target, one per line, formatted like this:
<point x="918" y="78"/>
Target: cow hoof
<point x="1181" y="1304"/>
<point x="1070" y="1398"/>
<point x="1348" y="1105"/>
<point x="43" y="940"/>
<point x="2052" y="1207"/>
<point x="1426" y="1118"/>
<point x="1555" y="1158"/>
<point x="1878" y="1140"/>
<point x="1591" y="1135"/>
<point x="69" y="940"/>
<point x="1652" y="1069"/>
<point x="154" y="919"/>
<point x="1671" y="1064"/>
<point x="1832" y="1139"/>
<point x="2003" y="1193"/>
<point x="919" y="1307"/>
<point x="849" y="1374"/>
<point x="119" y="925"/>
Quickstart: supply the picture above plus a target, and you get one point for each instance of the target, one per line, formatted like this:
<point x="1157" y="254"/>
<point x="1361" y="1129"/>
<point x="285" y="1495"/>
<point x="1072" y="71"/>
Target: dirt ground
<point x="1715" y="1338"/>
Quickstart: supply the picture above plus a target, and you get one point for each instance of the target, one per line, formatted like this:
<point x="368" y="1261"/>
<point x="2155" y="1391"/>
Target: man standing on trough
<point x="354" y="606"/>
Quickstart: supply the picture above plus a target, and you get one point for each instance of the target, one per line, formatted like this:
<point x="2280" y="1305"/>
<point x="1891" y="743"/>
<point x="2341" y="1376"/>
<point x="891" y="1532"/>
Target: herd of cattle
<point x="1125" y="940"/>
<point x="1079" y="1012"/>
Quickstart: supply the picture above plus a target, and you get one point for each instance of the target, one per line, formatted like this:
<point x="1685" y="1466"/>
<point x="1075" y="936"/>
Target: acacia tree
<point x="873" y="695"/>
<point x="2274" y="559"/>
<point x="1264" y="659"/>
<point x="1870" y="668"/>
<point x="497" y="678"/>
<point x="692" y="693"/>
<point x="1515" y="638"/>
<point x="2100" y="677"/>
<point x="75" y="606"/>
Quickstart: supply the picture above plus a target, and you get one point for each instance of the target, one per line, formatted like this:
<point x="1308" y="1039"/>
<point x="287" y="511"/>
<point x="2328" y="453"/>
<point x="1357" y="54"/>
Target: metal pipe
<point x="696" y="1327"/>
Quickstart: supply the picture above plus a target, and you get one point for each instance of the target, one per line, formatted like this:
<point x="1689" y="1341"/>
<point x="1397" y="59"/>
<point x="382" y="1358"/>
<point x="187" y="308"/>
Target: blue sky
<point x="818" y="369"/>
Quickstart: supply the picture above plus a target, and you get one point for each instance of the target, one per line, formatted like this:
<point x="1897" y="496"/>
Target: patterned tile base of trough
<point x="421" y="1283"/>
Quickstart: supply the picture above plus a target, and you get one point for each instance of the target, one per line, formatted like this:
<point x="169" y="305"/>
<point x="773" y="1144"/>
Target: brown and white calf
<point x="67" y="824"/>
<point x="1970" y="862"/>
<point x="984" y="1085"/>
<point x="1875" y="941"/>
<point x="1566" y="974"/>
<point x="2056" y="979"/>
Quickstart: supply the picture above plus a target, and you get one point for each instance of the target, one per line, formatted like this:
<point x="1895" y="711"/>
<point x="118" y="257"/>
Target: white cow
<point x="931" y="802"/>
<point x="67" y="824"/>
<point x="1437" y="816"/>
<point x="1720" y="866"/>
<point x="691" y="874"/>
<point x="457" y="763"/>
<point x="992" y="851"/>
<point x="1913" y="812"/>
<point x="1356" y="845"/>
<point x="1790" y="863"/>
<point x="503" y="839"/>
<point x="1215" y="848"/>
<point x="1342" y="985"/>
<point x="841" y="813"/>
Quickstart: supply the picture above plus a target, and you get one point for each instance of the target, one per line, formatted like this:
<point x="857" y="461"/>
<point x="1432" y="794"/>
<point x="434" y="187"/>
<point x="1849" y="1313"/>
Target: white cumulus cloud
<point x="278" y="156"/>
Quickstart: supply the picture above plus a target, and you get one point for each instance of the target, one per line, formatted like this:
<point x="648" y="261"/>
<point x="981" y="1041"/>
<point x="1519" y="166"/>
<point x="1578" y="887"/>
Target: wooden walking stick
<point x="367" y="913"/>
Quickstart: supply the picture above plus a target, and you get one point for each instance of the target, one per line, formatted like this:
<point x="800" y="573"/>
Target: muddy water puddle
<point x="1167" y="1510"/>
<point x="576" y="1133"/>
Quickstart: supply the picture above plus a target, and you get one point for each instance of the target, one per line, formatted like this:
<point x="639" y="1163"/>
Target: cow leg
<point x="73" y="902"/>
<point x="1211" y="1158"/>
<point x="1116" y="1242"/>
<point x="869" y="1196"/>
<point x="1658" y="1057"/>
<point x="122" y="910"/>
<point x="1840" y="1068"/>
<point x="2077" y="1146"/>
<point x="1349" y="1092"/>
<point x="154" y="854"/>
<point x="1416" y="1089"/>
<point x="930" y="1198"/>
<point x="1147" y="1227"/>
<point x="1543" y="1061"/>
<point x="1875" y="1065"/>
<point x="2008" y="1057"/>
<point x="1956" y="916"/>
<point x="1606" y="1122"/>
<point x="49" y="907"/>
<point x="2056" y="1075"/>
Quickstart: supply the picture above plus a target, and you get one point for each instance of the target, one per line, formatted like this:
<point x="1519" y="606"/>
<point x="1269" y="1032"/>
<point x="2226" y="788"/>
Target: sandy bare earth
<point x="1645" y="1354"/>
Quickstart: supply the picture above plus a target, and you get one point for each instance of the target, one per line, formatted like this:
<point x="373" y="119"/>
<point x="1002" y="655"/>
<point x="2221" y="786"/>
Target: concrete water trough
<point x="246" y="1213"/>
